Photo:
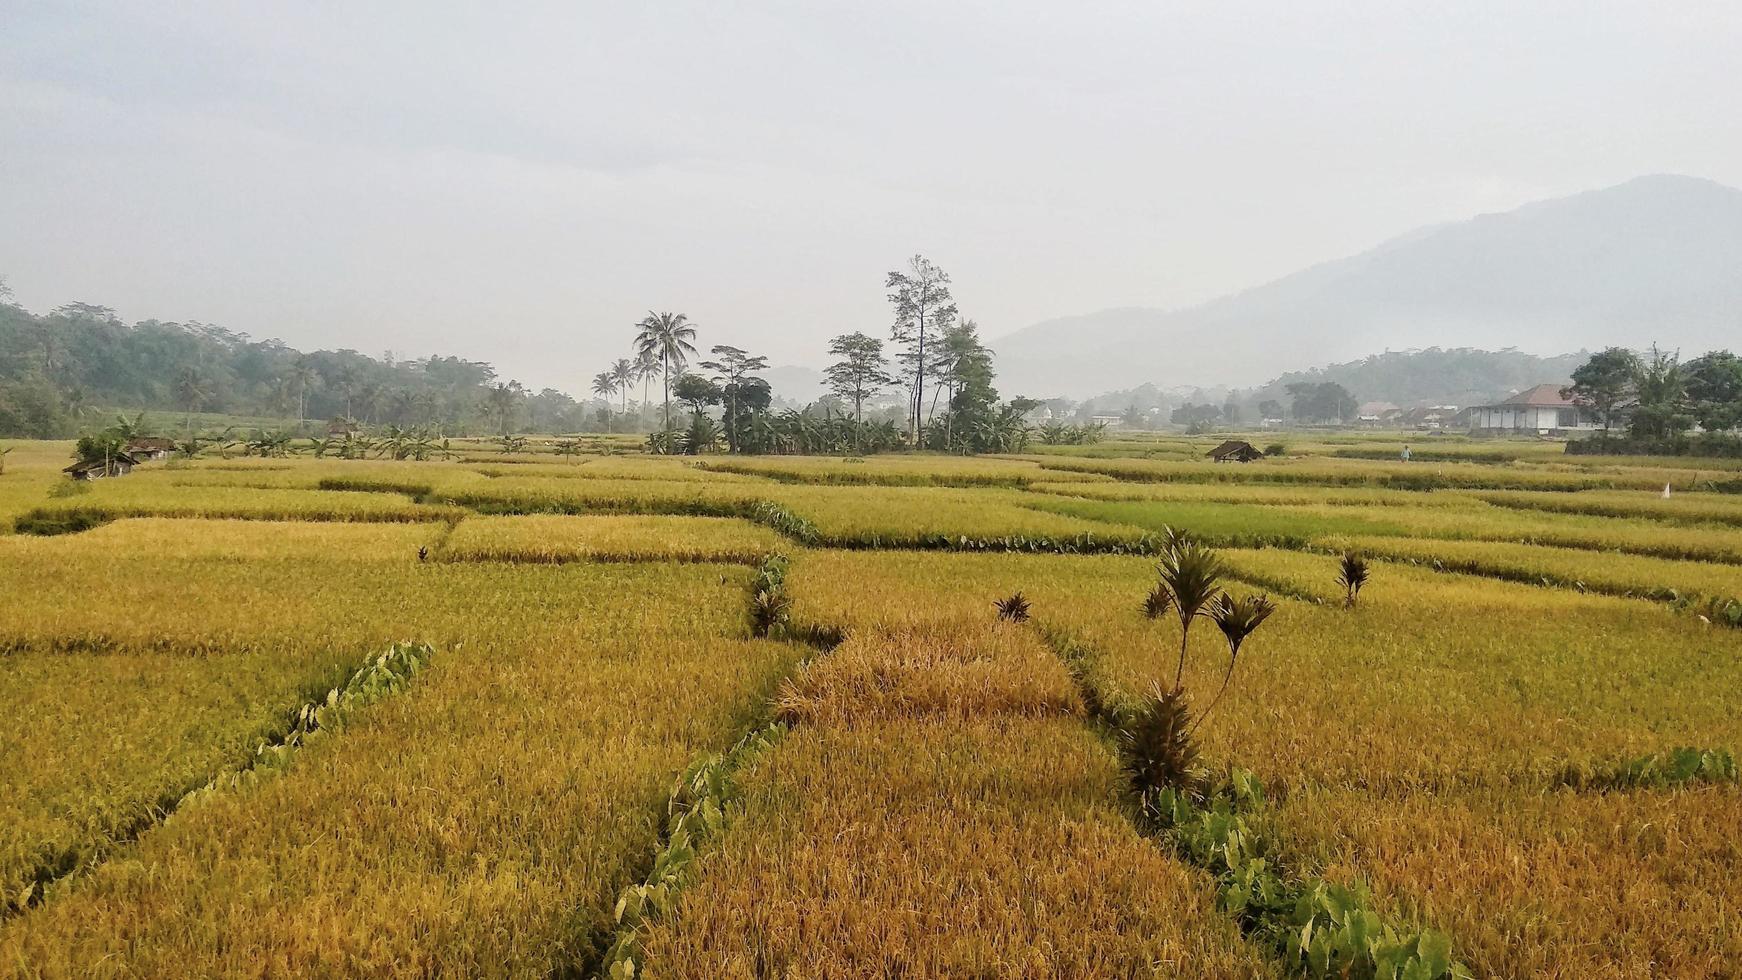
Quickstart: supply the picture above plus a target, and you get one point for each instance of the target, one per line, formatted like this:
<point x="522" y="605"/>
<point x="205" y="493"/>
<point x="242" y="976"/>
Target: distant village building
<point x="339" y="428"/>
<point x="1430" y="417"/>
<point x="150" y="447"/>
<point x="1375" y="414"/>
<point x="1539" y="410"/>
<point x="119" y="464"/>
<point x="1235" y="451"/>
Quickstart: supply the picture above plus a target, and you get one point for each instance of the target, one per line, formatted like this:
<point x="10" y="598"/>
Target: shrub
<point x="1013" y="609"/>
<point x="1158" y="601"/>
<point x="1158" y="746"/>
<point x="1351" y="575"/>
<point x="770" y="604"/>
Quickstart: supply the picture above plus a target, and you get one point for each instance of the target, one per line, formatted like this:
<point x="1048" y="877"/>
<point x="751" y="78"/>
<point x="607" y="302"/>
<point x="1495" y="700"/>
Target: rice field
<point x="761" y="717"/>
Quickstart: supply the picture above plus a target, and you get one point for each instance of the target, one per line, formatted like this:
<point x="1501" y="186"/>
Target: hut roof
<point x="1235" y="449"/>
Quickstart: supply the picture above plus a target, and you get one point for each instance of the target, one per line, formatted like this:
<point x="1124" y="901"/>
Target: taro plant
<point x="1013" y="609"/>
<point x="1351" y="575"/>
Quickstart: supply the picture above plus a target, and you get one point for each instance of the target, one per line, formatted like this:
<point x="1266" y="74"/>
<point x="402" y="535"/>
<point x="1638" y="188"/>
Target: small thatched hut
<point x="1235" y="451"/>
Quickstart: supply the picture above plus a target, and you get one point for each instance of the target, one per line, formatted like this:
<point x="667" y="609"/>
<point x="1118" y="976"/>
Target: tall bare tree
<point x="861" y="373"/>
<point x="922" y="301"/>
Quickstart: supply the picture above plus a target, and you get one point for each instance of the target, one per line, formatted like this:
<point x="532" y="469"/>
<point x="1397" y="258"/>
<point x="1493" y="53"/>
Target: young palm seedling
<point x="1352" y="576"/>
<point x="1192" y="574"/>
<point x="1159" y="750"/>
<point x="1013" y="609"/>
<point x="1237" y="619"/>
<point x="1158" y="601"/>
<point x="770" y="604"/>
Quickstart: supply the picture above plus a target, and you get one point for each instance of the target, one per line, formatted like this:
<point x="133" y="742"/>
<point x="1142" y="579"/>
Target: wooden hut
<point x="1235" y="451"/>
<point x="119" y="464"/>
<point x="150" y="447"/>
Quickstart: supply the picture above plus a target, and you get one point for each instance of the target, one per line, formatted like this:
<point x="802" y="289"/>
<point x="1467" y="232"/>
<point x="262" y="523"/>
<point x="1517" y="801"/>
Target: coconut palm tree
<point x="191" y="390"/>
<point x="646" y="369"/>
<point x="623" y="375"/>
<point x="666" y="336"/>
<point x="605" y="385"/>
<point x="302" y="374"/>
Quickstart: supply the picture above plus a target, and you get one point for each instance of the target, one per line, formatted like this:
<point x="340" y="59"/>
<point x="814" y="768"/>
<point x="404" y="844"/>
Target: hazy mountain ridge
<point x="1656" y="258"/>
<point x="1458" y="376"/>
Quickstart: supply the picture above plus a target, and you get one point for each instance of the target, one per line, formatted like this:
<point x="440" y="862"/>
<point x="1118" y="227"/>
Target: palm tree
<point x="191" y="391"/>
<point x="623" y="375"/>
<point x="369" y="399"/>
<point x="605" y="385"/>
<point x="1236" y="618"/>
<point x="666" y="336"/>
<point x="646" y="369"/>
<point x="348" y="382"/>
<point x="302" y="374"/>
<point x="501" y="400"/>
<point x="1191" y="573"/>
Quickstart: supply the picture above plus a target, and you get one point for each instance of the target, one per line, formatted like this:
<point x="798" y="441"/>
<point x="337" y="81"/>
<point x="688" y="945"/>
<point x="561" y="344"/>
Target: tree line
<point x="81" y="361"/>
<point x="1658" y="400"/>
<point x="940" y="365"/>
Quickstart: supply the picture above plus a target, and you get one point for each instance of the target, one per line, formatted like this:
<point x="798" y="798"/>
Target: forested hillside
<point x="1455" y="376"/>
<point x="59" y="367"/>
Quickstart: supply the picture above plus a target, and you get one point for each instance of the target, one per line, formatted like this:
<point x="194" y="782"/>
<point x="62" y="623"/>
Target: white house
<point x="1540" y="410"/>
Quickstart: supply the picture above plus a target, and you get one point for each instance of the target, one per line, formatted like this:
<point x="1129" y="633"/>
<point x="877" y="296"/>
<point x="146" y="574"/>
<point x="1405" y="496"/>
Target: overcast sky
<point x="519" y="183"/>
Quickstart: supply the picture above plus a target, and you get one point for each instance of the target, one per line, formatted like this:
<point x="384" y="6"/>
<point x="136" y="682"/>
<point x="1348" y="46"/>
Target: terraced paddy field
<point x="622" y="716"/>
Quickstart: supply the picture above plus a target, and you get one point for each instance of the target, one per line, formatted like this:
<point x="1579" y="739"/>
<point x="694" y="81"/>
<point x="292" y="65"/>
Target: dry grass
<point x="1632" y="885"/>
<point x="1680" y="508"/>
<point x="98" y="746"/>
<point x="138" y="496"/>
<point x="548" y="538"/>
<point x="480" y="824"/>
<point x="1617" y="574"/>
<point x="928" y="819"/>
<point x="897" y="469"/>
<point x="1433" y="681"/>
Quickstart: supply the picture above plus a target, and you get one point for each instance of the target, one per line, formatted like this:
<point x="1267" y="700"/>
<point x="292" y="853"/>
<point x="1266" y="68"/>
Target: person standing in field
<point x="1405" y="454"/>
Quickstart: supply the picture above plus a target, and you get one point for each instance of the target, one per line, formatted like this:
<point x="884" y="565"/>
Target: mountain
<point x="1655" y="259"/>
<point x="1435" y="376"/>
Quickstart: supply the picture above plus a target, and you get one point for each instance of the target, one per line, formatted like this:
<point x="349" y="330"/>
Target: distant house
<point x="1235" y="451"/>
<point x="119" y="464"/>
<point x="1538" y="410"/>
<point x="1375" y="414"/>
<point x="340" y="428"/>
<point x="150" y="447"/>
<point x="1429" y="417"/>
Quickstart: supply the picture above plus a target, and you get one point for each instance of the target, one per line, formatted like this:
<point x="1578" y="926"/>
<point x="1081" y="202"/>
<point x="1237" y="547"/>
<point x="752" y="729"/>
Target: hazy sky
<point x="520" y="183"/>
